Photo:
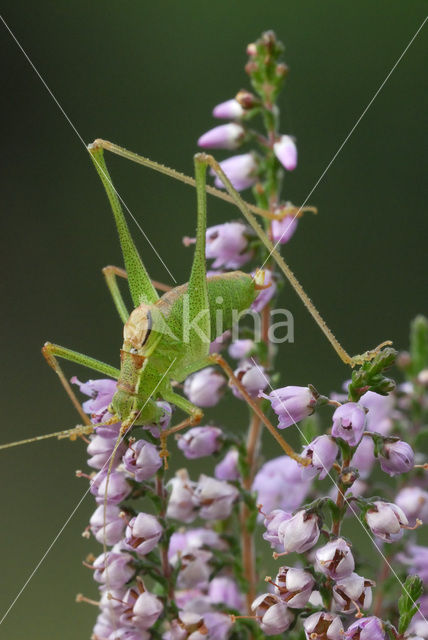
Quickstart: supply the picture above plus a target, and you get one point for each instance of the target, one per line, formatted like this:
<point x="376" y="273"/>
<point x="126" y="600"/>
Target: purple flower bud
<point x="226" y="136"/>
<point x="200" y="442"/>
<point x="101" y="394"/>
<point x="366" y="629"/>
<point x="286" y="152"/>
<point x="283" y="230"/>
<point x="113" y="569"/>
<point x="220" y="342"/>
<point x="294" y="586"/>
<point x="348" y="423"/>
<point x="205" y="387"/>
<point x="386" y="521"/>
<point x="272" y="522"/>
<point x="335" y="559"/>
<point x="300" y="533"/>
<point x="274" y="615"/>
<point x="223" y="590"/>
<point x="291" y="404"/>
<point x="239" y="349"/>
<point x="241" y="171"/>
<point x="214" y="498"/>
<point x="142" y="460"/>
<point x="322" y="452"/>
<point x="227" y="469"/>
<point x="397" y="457"/>
<point x="253" y="377"/>
<point x="352" y="592"/>
<point x="379" y="412"/>
<point x="323" y="626"/>
<point x="114" y="525"/>
<point x="142" y="534"/>
<point x="364" y="458"/>
<point x="117" y="487"/>
<point x="104" y="626"/>
<point x="181" y="504"/>
<point x="229" y="110"/>
<point x="414" y="502"/>
<point x="217" y="624"/>
<point x="147" y="610"/>
<point x="227" y="245"/>
<point x="279" y="484"/>
<point x="100" y="449"/>
<point x="265" y="295"/>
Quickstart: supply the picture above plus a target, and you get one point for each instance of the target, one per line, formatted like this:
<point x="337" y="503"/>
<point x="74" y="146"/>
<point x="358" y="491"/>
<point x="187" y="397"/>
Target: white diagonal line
<point x="42" y="80"/>
<point x="349" y="134"/>
<point x="34" y="571"/>
<point x="349" y="505"/>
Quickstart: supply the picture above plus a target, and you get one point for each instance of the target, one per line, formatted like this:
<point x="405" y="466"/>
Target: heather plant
<point x="185" y="557"/>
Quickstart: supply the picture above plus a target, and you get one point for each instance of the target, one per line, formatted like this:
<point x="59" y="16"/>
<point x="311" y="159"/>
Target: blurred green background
<point x="147" y="77"/>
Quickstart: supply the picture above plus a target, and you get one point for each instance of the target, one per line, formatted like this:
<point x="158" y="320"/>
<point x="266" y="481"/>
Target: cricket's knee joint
<point x="196" y="417"/>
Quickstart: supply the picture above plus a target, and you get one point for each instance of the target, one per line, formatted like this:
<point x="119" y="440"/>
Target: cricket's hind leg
<point x="245" y="210"/>
<point x="217" y="359"/>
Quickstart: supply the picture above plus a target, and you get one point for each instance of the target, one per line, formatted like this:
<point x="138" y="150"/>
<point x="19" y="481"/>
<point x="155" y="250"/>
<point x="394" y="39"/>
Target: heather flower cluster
<point x="343" y="528"/>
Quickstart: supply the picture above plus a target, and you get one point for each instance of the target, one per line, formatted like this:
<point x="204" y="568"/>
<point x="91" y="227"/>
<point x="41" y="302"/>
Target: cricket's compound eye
<point x="137" y="329"/>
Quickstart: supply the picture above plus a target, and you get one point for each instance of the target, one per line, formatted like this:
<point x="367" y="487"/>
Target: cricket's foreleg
<point x="217" y="359"/>
<point x="53" y="351"/>
<point x="242" y="205"/>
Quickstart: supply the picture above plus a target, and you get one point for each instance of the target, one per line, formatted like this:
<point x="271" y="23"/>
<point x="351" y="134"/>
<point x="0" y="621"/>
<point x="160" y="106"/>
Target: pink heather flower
<point x="205" y="387"/>
<point x="218" y="625"/>
<point x="200" y="442"/>
<point x="241" y="171"/>
<point x="227" y="469"/>
<point x="386" y="521"/>
<point x="291" y="404"/>
<point x="397" y="457"/>
<point x="272" y="522"/>
<point x="274" y="615"/>
<point x="366" y="629"/>
<point x="323" y="626"/>
<point x="101" y="394"/>
<point x="116" y="485"/>
<point x="414" y="502"/>
<point x="335" y="559"/>
<point x="417" y="559"/>
<point x="229" y="110"/>
<point x="300" y="533"/>
<point x="147" y="609"/>
<point x="227" y="245"/>
<point x="253" y="377"/>
<point x="103" y="626"/>
<point x="279" y="485"/>
<point x="265" y="295"/>
<point x="283" y="230"/>
<point x="181" y="504"/>
<point x="322" y="452"/>
<point x="352" y="591"/>
<point x="100" y="449"/>
<point x="143" y="534"/>
<point x="380" y="409"/>
<point x="192" y="539"/>
<point x="348" y="423"/>
<point x="120" y="569"/>
<point x="214" y="498"/>
<point x="240" y="349"/>
<point x="294" y="586"/>
<point x="224" y="590"/>
<point x="194" y="569"/>
<point x="142" y="460"/>
<point x="364" y="457"/>
<point x="164" y="421"/>
<point x="286" y="152"/>
<point x="129" y="634"/>
<point x="226" y="136"/>
<point x="114" y="524"/>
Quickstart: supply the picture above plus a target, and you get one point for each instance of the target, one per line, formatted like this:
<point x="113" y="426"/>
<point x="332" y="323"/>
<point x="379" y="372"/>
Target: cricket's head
<point x="133" y="358"/>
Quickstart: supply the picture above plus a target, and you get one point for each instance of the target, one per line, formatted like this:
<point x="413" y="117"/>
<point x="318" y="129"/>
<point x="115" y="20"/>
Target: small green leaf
<point x="407" y="607"/>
